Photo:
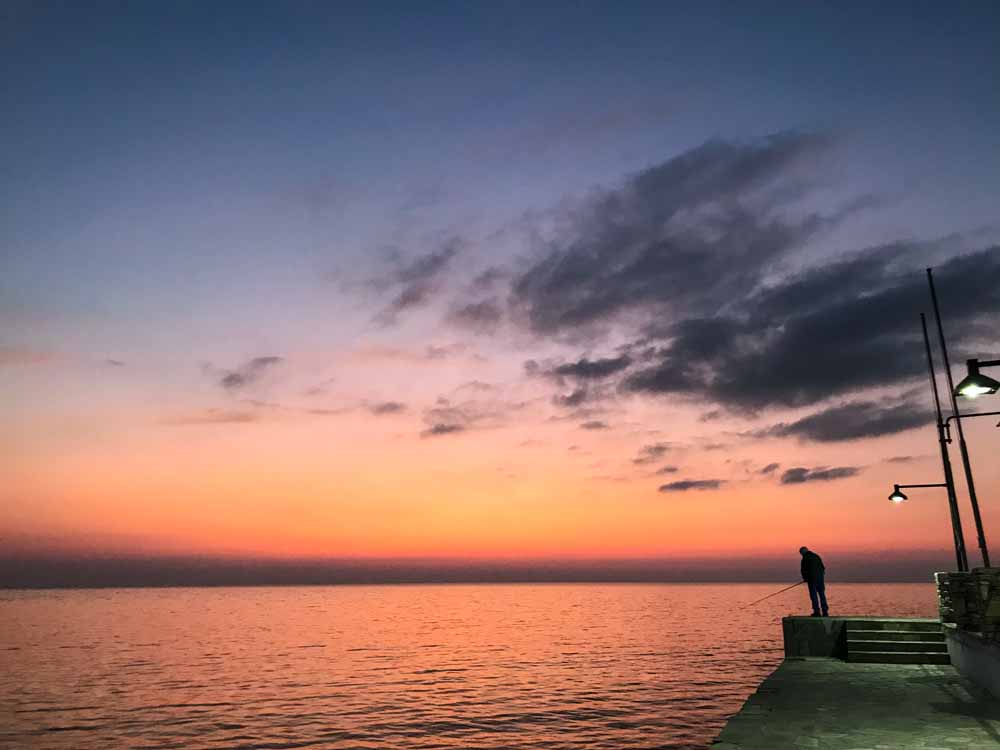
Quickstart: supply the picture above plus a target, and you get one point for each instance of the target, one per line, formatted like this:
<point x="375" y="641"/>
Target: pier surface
<point x="835" y="705"/>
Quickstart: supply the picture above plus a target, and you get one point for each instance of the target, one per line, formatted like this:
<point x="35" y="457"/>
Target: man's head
<point x="803" y="550"/>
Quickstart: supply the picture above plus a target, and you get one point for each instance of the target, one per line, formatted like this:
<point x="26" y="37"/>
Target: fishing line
<point x="787" y="588"/>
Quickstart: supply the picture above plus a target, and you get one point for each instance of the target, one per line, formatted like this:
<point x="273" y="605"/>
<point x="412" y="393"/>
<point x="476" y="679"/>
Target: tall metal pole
<point x="963" y="449"/>
<point x="949" y="478"/>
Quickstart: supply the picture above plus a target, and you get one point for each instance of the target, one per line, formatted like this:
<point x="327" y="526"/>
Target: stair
<point x="896" y="641"/>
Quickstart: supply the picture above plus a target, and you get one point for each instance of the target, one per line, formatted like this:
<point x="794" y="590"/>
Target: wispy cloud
<point x="904" y="459"/>
<point x="249" y="373"/>
<point x="442" y="428"/>
<point x="592" y="369"/>
<point x="429" y="353"/>
<point x="688" y="234"/>
<point x="386" y="407"/>
<point x="412" y="283"/>
<point x="576" y="397"/>
<point x="651" y="453"/>
<point x="684" y="485"/>
<point x="853" y="421"/>
<point x="449" y="416"/>
<point x="481" y="317"/>
<point x="213" y="416"/>
<point x="799" y="474"/>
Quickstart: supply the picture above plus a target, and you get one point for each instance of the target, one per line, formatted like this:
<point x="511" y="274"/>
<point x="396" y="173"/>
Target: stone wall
<point x="971" y="600"/>
<point x="958" y="599"/>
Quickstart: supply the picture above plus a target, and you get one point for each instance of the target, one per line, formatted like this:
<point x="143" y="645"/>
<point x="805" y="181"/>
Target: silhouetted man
<point x="813" y="571"/>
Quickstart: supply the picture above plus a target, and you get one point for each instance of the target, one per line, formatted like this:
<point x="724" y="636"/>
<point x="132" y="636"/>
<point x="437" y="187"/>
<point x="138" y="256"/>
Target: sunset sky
<point x="490" y="280"/>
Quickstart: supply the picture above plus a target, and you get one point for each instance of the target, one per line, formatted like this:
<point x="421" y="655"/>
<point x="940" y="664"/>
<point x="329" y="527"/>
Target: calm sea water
<point x="449" y="666"/>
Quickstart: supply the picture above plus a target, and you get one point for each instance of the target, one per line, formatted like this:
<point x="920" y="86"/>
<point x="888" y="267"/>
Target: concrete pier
<point x="865" y="683"/>
<point x="830" y="704"/>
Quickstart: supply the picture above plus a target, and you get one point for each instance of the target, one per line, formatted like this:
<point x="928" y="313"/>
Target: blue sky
<point x="189" y="187"/>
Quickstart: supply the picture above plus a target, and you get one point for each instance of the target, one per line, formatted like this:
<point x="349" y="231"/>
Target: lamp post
<point x="897" y="495"/>
<point x="961" y="556"/>
<point x="962" y="447"/>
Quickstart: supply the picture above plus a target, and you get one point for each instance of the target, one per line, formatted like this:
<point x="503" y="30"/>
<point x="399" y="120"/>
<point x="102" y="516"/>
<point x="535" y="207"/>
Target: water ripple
<point x="421" y="667"/>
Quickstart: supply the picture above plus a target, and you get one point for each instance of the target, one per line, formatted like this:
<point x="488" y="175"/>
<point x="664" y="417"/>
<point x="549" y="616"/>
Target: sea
<point x="398" y="666"/>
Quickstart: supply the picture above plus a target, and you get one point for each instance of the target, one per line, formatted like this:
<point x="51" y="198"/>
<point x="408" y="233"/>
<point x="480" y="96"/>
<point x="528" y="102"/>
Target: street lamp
<point x="976" y="384"/>
<point x="961" y="557"/>
<point x="962" y="447"/>
<point x="897" y="495"/>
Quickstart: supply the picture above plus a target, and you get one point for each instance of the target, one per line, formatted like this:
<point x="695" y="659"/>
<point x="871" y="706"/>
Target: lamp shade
<point x="897" y="495"/>
<point x="975" y="383"/>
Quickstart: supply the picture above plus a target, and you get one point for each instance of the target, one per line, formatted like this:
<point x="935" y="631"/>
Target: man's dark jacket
<point x="812" y="567"/>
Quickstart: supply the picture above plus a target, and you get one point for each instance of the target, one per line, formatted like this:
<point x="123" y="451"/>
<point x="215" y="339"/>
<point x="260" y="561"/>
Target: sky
<point x="491" y="283"/>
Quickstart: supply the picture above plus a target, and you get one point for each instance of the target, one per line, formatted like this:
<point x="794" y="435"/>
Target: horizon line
<point x="119" y="571"/>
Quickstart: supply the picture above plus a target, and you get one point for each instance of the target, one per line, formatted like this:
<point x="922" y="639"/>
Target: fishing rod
<point x="774" y="594"/>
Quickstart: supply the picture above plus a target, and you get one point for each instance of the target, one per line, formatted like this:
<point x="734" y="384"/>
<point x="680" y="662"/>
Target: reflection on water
<point x="450" y="666"/>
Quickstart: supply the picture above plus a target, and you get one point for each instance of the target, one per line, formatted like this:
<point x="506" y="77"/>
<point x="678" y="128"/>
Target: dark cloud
<point x="854" y="420"/>
<point x="572" y="399"/>
<point x="249" y="373"/>
<point x="442" y="428"/>
<point x="489" y="279"/>
<point x="583" y="369"/>
<point x="595" y="424"/>
<point x="650" y="453"/>
<point x="692" y="484"/>
<point x="114" y="362"/>
<point x="770" y="468"/>
<point x="587" y="369"/>
<point x="481" y="317"/>
<point x="692" y="234"/>
<point x="902" y="459"/>
<point x="426" y="266"/>
<point x="413" y="283"/>
<point x="667" y="470"/>
<point x="800" y="474"/>
<point x="386" y="407"/>
<point x="690" y="260"/>
<point x="840" y="328"/>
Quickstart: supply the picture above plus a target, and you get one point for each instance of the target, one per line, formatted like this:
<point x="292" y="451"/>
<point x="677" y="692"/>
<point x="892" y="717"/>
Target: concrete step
<point x="917" y="647"/>
<point x="897" y="657"/>
<point x="896" y="635"/>
<point x="918" y="625"/>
